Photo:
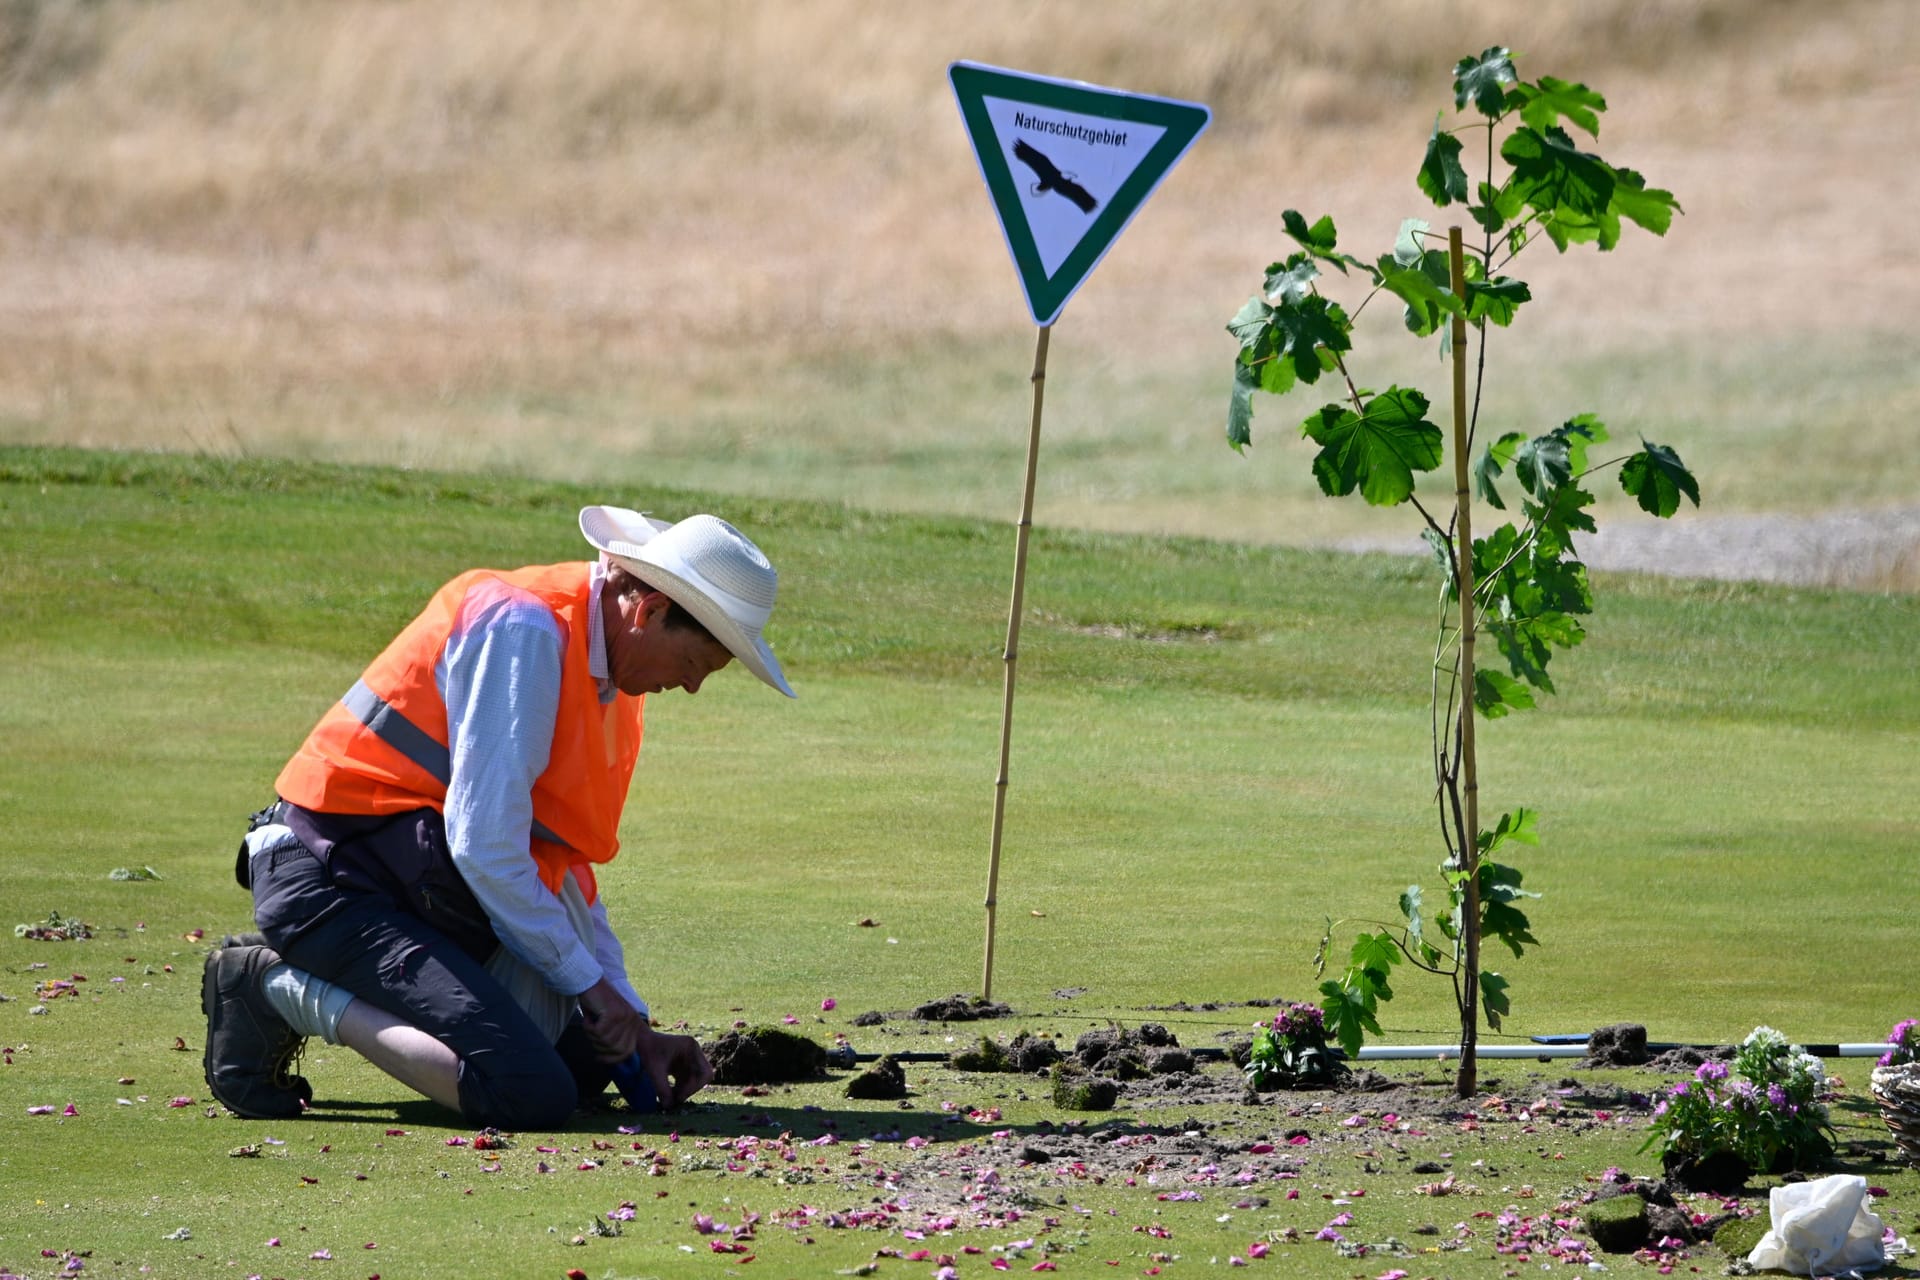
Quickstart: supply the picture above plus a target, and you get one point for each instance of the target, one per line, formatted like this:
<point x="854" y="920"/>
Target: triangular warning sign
<point x="1067" y="166"/>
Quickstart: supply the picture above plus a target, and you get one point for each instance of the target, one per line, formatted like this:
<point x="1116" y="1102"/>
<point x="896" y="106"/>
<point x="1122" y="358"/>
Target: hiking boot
<point x="251" y="1051"/>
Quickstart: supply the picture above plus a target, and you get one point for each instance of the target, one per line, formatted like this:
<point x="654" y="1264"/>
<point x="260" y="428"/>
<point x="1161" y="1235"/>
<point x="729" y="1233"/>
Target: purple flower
<point x="1776" y="1096"/>
<point x="1708" y="1071"/>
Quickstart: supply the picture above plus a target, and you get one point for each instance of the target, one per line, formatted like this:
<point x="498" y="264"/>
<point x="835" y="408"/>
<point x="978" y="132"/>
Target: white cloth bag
<point x="1822" y="1228"/>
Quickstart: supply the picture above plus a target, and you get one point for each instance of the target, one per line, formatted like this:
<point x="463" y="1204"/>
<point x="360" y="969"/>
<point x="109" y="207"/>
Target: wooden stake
<point x="1466" y="1081"/>
<point x="1012" y="652"/>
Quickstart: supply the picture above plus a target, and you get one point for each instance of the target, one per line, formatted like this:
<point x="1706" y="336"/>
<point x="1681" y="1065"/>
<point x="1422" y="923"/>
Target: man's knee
<point x="536" y="1094"/>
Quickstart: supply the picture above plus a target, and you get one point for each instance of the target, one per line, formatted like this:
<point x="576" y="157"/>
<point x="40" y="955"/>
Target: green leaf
<point x="1489" y="218"/>
<point x="1442" y="549"/>
<point x="1507" y="923"/>
<point x="1496" y="299"/>
<point x="1319" y="238"/>
<point x="1292" y="280"/>
<point x="1501" y="883"/>
<point x="1302" y="327"/>
<point x="1494" y="459"/>
<point x="1541" y="465"/>
<point x="1378" y="452"/>
<point x="1648" y="207"/>
<point x="1527" y="643"/>
<point x="1480" y="80"/>
<point x="1348" y="1016"/>
<point x="1250" y="324"/>
<point x="1276" y="375"/>
<point x="1408" y="247"/>
<point x="1374" y="953"/>
<point x="1656" y="478"/>
<point x="1562" y="513"/>
<point x="1240" y="407"/>
<point x="1442" y="176"/>
<point x="1410" y="908"/>
<point x="1495" y="694"/>
<point x="1543" y="105"/>
<point x="1427" y="304"/>
<point x="1296" y="340"/>
<point x="1521" y="826"/>
<point x="1579" y="431"/>
<point x="1554" y="176"/>
<point x="1505" y="201"/>
<point x="1493" y="998"/>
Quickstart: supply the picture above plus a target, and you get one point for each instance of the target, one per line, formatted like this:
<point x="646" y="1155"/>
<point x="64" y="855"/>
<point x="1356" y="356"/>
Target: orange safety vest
<point x="383" y="748"/>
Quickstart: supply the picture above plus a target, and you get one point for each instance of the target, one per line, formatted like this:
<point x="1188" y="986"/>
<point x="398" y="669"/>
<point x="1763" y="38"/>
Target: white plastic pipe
<point x="1404" y="1052"/>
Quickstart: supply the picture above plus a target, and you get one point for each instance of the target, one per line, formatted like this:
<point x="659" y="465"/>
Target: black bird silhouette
<point x="1050" y="177"/>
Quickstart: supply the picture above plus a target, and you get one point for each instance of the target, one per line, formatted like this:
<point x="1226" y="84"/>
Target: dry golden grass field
<point x="745" y="246"/>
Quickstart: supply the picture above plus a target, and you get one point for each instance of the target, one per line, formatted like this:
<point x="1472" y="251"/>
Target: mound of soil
<point x="764" y="1055"/>
<point x="1624" y="1044"/>
<point x="958" y="1008"/>
<point x="1147" y="1050"/>
<point x="884" y="1079"/>
<point x="1077" y="1090"/>
<point x="1026" y="1053"/>
<point x="1683" y="1059"/>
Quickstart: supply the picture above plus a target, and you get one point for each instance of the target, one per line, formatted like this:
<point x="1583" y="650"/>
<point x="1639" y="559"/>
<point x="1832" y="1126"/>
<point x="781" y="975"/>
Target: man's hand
<point x="677" y="1067"/>
<point x="613" y="1025"/>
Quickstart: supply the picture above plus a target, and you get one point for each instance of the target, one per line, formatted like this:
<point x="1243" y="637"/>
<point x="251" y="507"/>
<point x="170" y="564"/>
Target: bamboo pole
<point x="1011" y="654"/>
<point x="1466" y="1081"/>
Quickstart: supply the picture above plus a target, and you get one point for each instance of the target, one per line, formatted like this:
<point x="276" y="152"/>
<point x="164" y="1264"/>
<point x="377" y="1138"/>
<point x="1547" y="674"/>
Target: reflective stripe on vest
<point x="411" y="741"/>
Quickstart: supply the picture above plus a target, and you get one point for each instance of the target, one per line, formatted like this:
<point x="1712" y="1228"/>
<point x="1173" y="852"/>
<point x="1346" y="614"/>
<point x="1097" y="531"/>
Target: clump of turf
<point x="1737" y="1237"/>
<point x="1167" y="1062"/>
<point x="764" y="1055"/>
<point x="884" y="1079"/>
<point x="1026" y="1052"/>
<point x="988" y="1055"/>
<point x="1076" y="1090"/>
<point x="1617" y="1224"/>
<point x="1148" y="1050"/>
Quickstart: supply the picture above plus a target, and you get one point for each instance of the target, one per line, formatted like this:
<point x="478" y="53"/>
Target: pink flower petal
<point x="828" y="1005"/>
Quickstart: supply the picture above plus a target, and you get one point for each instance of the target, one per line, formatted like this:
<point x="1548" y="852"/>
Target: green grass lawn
<point x="1216" y="748"/>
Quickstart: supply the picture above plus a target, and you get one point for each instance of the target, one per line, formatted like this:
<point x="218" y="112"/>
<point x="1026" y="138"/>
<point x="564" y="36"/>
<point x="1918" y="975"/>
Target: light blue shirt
<point x="499" y="676"/>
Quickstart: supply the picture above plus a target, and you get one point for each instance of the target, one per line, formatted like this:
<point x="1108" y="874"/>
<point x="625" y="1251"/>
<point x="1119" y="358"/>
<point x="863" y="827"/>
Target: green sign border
<point x="1183" y="121"/>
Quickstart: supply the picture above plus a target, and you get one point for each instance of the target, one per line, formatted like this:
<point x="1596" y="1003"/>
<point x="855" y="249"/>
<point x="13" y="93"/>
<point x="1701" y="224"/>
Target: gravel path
<point x="1864" y="550"/>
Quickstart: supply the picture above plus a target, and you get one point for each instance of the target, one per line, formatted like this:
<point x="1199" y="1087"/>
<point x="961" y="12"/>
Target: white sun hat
<point x="704" y="565"/>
